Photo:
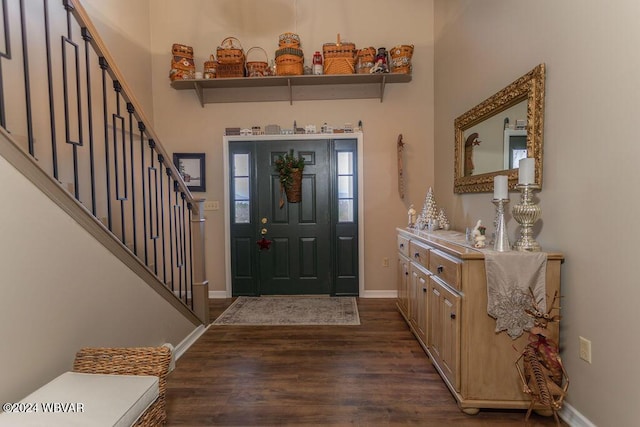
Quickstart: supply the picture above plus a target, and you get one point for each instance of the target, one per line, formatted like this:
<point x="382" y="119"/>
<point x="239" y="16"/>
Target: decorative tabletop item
<point x="429" y="210"/>
<point x="526" y="212"/>
<point x="443" y="220"/>
<point x="478" y="234"/>
<point x="289" y="168"/>
<point x="500" y="198"/>
<point x="411" y="213"/>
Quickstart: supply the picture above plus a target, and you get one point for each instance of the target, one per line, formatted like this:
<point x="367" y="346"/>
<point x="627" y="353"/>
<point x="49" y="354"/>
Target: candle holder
<point x="526" y="213"/>
<point x="501" y="242"/>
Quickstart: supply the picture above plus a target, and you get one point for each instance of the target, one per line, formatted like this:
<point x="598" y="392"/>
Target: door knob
<point x="264" y="220"/>
<point x="263" y="231"/>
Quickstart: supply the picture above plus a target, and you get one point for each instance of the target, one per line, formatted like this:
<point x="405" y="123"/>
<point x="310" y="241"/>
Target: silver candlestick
<point x="501" y="243"/>
<point x="526" y="213"/>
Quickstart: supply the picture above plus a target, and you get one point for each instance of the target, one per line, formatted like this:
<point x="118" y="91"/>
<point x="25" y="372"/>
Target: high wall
<point x="588" y="200"/>
<point x="61" y="289"/>
<point x="407" y="108"/>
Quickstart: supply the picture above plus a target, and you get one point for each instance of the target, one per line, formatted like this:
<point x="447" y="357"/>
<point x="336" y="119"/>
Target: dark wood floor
<point x="372" y="374"/>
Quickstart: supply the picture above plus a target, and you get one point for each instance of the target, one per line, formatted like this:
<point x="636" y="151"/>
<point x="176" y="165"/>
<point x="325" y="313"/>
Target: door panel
<point x="304" y="226"/>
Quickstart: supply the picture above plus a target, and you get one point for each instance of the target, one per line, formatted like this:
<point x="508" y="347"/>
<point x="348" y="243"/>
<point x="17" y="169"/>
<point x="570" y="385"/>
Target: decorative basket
<point x="230" y="52"/>
<point x="294" y="191"/>
<point x="289" y="40"/>
<point x="230" y="70"/>
<point x="210" y="68"/>
<point x="339" y="58"/>
<point x="182" y="65"/>
<point x="257" y="68"/>
<point x="289" y="62"/>
<point x="401" y="59"/>
<point x="365" y="59"/>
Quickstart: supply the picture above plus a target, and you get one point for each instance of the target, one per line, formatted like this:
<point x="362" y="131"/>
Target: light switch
<point x="213" y="205"/>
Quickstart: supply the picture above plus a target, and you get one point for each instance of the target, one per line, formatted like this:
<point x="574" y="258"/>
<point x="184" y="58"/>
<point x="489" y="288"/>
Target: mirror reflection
<point x="496" y="143"/>
<point x="492" y="137"/>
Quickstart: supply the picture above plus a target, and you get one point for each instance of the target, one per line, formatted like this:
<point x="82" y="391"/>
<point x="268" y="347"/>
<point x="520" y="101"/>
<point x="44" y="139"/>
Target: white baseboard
<point x="379" y="294"/>
<point x="184" y="345"/>
<point x="571" y="416"/>
<point x="218" y="294"/>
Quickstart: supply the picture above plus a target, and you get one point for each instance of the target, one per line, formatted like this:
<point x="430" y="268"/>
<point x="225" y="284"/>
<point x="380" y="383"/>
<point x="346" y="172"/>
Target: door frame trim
<point x="320" y="136"/>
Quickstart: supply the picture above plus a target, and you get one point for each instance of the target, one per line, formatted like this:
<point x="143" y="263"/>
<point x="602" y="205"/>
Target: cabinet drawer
<point x="403" y="245"/>
<point x="446" y="268"/>
<point x="419" y="253"/>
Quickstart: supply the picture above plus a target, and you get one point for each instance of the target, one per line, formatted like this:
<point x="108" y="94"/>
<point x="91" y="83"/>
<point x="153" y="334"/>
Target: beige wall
<point x="62" y="290"/>
<point x="591" y="176"/>
<point x="124" y="27"/>
<point x="407" y="108"/>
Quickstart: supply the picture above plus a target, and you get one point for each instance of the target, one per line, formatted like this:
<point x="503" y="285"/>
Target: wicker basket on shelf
<point x="401" y="59"/>
<point x="289" y="40"/>
<point x="210" y="68"/>
<point x="339" y="58"/>
<point x="257" y="68"/>
<point x="289" y="61"/>
<point x="182" y="65"/>
<point x="365" y="59"/>
<point x="230" y="58"/>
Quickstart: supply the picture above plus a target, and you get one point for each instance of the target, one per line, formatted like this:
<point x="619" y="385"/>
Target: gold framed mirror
<point x="492" y="136"/>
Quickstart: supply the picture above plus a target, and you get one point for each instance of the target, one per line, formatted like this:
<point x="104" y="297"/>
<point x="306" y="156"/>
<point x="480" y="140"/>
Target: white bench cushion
<point x="100" y="400"/>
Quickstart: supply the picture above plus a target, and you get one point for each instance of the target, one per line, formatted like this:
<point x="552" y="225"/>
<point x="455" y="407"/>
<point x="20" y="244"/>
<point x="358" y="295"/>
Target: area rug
<point x="296" y="310"/>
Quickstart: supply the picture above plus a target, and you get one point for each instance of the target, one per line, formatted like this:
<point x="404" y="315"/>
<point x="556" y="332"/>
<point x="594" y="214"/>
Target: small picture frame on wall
<point x="192" y="168"/>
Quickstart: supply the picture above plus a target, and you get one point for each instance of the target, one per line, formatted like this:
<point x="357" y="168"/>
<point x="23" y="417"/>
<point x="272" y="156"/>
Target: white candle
<point x="526" y="171"/>
<point x="500" y="190"/>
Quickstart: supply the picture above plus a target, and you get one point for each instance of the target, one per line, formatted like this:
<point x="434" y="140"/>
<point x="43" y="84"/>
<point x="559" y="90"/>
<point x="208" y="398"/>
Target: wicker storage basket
<point x="257" y="68"/>
<point x="294" y="191"/>
<point x="210" y="68"/>
<point x="365" y="59"/>
<point x="289" y="62"/>
<point x="339" y="58"/>
<point x="230" y="51"/>
<point x="289" y="40"/>
<point x="182" y="65"/>
<point x="401" y="59"/>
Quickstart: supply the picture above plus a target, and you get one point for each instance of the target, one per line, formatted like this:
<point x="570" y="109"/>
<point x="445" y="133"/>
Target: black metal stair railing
<point x="64" y="102"/>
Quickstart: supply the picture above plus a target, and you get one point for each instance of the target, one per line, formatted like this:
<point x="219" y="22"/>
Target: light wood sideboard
<point x="442" y="294"/>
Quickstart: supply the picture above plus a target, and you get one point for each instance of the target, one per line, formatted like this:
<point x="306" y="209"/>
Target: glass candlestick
<point x="526" y="213"/>
<point x="501" y="242"/>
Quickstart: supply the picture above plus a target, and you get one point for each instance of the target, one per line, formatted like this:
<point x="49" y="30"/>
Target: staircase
<point x="73" y="127"/>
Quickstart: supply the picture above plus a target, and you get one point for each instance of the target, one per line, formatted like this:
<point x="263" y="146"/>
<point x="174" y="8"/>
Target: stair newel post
<point x="199" y="275"/>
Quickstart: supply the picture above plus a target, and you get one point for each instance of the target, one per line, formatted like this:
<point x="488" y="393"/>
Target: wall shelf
<point x="290" y="88"/>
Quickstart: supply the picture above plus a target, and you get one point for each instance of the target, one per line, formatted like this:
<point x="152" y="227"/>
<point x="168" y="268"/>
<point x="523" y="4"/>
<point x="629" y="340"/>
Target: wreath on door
<point x="289" y="168"/>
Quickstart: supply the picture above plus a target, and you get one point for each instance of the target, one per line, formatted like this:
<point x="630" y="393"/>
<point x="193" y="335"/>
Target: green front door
<point x="298" y="260"/>
<point x="313" y="244"/>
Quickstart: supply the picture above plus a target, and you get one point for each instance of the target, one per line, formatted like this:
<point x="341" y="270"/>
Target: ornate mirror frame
<point x="529" y="87"/>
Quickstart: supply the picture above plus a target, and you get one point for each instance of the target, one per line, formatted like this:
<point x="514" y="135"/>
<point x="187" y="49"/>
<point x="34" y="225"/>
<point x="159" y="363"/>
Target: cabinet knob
<point x="401" y="245"/>
<point x="424" y="289"/>
<point x="440" y="269"/>
<point x="406" y="273"/>
<point x="417" y="255"/>
<point x="453" y="315"/>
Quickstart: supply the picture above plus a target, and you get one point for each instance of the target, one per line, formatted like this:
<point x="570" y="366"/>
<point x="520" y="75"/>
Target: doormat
<point x="297" y="310"/>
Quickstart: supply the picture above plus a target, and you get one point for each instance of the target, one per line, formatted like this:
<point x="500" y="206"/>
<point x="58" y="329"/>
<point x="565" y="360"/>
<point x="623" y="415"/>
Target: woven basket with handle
<point x="339" y="58"/>
<point x="365" y="59"/>
<point x="230" y="52"/>
<point x="257" y="68"/>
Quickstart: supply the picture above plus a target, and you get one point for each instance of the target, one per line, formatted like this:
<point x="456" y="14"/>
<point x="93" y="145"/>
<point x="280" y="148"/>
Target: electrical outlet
<point x="385" y="262"/>
<point x="585" y="349"/>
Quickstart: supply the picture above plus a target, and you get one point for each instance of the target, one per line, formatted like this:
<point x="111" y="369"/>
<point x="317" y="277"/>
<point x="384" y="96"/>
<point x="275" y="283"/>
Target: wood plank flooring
<point x="370" y="375"/>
